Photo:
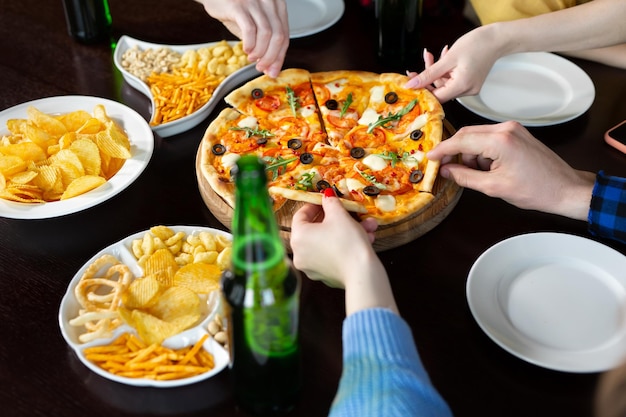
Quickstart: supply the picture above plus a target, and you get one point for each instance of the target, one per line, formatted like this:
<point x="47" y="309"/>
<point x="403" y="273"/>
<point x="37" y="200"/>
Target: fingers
<point x="266" y="38"/>
<point x="465" y="177"/>
<point x="466" y="141"/>
<point x="309" y="213"/>
<point x="432" y="72"/>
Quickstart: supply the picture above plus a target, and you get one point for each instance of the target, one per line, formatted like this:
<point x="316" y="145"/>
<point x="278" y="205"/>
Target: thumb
<point x="464" y="176"/>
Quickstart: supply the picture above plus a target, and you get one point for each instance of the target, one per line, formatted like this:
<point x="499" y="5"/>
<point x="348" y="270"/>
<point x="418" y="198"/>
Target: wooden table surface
<point x="41" y="376"/>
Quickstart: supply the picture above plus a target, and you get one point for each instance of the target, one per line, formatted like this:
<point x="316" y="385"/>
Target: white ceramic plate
<point x="552" y="299"/>
<point x="194" y="119"/>
<point x="534" y="88"/>
<point x="307" y="17"/>
<point x="123" y="252"/>
<point x="142" y="146"/>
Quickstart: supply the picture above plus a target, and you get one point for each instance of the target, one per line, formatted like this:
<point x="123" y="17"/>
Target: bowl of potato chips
<point x="183" y="82"/>
<point x="146" y="310"/>
<point x="61" y="155"/>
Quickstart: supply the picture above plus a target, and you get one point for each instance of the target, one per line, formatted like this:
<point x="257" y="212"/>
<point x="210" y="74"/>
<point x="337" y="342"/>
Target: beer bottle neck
<point x="256" y="237"/>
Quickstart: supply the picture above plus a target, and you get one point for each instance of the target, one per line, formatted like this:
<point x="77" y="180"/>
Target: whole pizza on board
<point x="361" y="133"/>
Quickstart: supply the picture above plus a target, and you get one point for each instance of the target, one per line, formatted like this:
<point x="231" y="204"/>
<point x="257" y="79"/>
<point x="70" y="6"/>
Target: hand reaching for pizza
<point x="457" y="73"/>
<point x="261" y="25"/>
<point x="331" y="246"/>
<point x="504" y="160"/>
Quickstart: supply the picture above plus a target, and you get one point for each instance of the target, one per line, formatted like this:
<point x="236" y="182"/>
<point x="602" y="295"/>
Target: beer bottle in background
<point x="88" y="21"/>
<point x="262" y="291"/>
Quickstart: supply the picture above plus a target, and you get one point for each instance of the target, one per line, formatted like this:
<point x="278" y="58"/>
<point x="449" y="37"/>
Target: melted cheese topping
<point x="377" y="94"/>
<point x="230" y="159"/>
<point x="369" y="116"/>
<point x="385" y="203"/>
<point x="375" y="162"/>
<point x="249" y="122"/>
<point x="418" y="123"/>
<point x="354" y="184"/>
<point x="307" y="111"/>
<point x="336" y="86"/>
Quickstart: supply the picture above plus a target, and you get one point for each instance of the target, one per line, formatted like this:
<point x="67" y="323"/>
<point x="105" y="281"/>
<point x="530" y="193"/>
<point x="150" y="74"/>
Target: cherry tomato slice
<point x="268" y="103"/>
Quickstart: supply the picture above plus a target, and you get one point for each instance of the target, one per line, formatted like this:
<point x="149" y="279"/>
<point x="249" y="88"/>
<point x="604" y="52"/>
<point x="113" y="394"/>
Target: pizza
<point x="361" y="133"/>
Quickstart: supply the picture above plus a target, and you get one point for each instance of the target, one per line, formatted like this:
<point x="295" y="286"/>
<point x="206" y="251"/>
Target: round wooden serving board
<point x="447" y="194"/>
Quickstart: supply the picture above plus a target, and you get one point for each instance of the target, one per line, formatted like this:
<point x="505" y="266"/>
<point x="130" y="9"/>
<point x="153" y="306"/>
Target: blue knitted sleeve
<point x="382" y="371"/>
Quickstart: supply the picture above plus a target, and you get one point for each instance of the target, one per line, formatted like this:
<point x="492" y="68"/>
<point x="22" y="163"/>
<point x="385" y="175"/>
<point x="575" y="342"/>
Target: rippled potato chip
<point x="74" y="120"/>
<point x="162" y="265"/>
<point x="152" y="329"/>
<point x="142" y="293"/>
<point x="175" y="302"/>
<point x="88" y="154"/>
<point x="200" y="277"/>
<point x="81" y="185"/>
<point x="52" y="126"/>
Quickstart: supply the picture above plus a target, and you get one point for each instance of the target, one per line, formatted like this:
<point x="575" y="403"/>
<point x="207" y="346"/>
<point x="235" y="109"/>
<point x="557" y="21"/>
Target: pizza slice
<point x="399" y="126"/>
<point x="229" y="136"/>
<point x="285" y="100"/>
<point x="342" y="97"/>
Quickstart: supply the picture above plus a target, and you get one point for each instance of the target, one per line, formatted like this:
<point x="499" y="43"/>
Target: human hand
<point x="460" y="70"/>
<point x="328" y="244"/>
<point x="262" y="25"/>
<point x="331" y="246"/>
<point x="505" y="161"/>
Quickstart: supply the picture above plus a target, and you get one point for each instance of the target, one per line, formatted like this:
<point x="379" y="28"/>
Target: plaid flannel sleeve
<point x="607" y="214"/>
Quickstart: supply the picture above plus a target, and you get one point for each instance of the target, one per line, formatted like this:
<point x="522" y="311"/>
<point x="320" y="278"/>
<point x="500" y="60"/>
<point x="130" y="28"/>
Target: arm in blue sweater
<point x="383" y="374"/>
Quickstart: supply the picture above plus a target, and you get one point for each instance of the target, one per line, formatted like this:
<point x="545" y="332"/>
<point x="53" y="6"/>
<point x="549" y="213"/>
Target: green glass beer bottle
<point x="262" y="291"/>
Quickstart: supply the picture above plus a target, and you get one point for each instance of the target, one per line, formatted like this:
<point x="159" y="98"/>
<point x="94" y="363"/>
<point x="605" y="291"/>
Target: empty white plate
<point x="533" y="88"/>
<point x="553" y="299"/>
<point x="307" y="17"/>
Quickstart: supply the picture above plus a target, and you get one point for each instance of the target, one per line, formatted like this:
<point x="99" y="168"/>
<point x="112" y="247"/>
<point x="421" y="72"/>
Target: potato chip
<point x="11" y="165"/>
<point x="67" y="171"/>
<point x="89" y="155"/>
<point x="47" y="178"/>
<point x="162" y="265"/>
<point x="91" y="126"/>
<point x="100" y="113"/>
<point x="23" y="177"/>
<point x="81" y="185"/>
<point x="66" y="140"/>
<point x="153" y="330"/>
<point x="112" y="143"/>
<point x="126" y="314"/>
<point x="17" y="126"/>
<point x="66" y="155"/>
<point x="28" y="151"/>
<point x="142" y="293"/>
<point x="3" y="182"/>
<point x="52" y="126"/>
<point x="74" y="120"/>
<point x="175" y="302"/>
<point x="22" y="194"/>
<point x="39" y="136"/>
<point x="110" y="166"/>
<point x="201" y="278"/>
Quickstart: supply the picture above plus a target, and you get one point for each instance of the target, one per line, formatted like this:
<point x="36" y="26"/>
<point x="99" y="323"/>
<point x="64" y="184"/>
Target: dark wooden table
<point x="39" y="374"/>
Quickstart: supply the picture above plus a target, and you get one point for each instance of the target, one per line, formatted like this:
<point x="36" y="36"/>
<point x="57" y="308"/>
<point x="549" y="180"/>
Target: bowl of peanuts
<point x="147" y="310"/>
<point x="183" y="82"/>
